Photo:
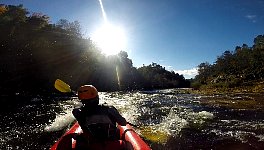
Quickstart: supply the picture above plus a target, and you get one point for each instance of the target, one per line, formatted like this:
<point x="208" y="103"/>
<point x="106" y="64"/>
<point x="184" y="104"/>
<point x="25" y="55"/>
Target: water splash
<point x="63" y="119"/>
<point x="60" y="122"/>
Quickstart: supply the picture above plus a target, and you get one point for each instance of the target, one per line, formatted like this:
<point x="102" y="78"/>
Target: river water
<point x="166" y="119"/>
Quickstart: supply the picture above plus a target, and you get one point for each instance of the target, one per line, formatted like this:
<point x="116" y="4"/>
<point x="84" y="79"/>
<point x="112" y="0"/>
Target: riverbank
<point x="249" y="101"/>
<point x="256" y="86"/>
<point x="248" y="96"/>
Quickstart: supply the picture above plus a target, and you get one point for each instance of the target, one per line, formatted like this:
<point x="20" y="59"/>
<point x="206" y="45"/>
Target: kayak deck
<point x="129" y="139"/>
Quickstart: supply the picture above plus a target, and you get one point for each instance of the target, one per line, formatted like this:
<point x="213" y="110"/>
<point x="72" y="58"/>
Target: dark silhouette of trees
<point x="155" y="76"/>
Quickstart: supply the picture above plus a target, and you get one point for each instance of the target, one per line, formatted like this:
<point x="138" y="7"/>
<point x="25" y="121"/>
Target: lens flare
<point x="103" y="11"/>
<point x="108" y="37"/>
<point x="118" y="78"/>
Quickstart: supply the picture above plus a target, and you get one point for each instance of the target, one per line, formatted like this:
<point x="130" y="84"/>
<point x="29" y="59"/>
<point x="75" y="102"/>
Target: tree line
<point x="34" y="53"/>
<point x="240" y="67"/>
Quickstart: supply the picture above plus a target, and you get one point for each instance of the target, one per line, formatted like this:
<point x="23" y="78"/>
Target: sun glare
<point x="110" y="39"/>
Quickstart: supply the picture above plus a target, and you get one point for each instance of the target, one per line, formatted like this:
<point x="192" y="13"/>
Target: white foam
<point x="60" y="122"/>
<point x="206" y="115"/>
<point x="172" y="124"/>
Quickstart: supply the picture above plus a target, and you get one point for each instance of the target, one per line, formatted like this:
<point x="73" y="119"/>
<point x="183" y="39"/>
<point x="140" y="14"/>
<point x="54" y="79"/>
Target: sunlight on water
<point x="240" y="130"/>
<point x="62" y="120"/>
<point x="260" y="137"/>
<point x="172" y="123"/>
<point x="123" y="104"/>
<point x="162" y="115"/>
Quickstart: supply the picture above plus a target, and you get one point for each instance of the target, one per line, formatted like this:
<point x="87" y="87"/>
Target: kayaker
<point x="99" y="121"/>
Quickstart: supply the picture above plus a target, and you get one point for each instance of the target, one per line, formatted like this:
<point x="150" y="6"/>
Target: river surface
<point x="166" y="119"/>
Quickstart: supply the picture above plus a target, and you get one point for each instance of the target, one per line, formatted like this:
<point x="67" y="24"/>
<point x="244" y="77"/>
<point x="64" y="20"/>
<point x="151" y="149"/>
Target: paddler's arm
<point x="77" y="113"/>
<point x="116" y="116"/>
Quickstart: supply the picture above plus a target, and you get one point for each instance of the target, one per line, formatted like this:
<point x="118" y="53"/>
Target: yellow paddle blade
<point x="62" y="86"/>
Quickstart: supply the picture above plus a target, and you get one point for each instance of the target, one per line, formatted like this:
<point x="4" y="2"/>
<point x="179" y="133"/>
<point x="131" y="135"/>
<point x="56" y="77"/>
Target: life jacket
<point x="99" y="124"/>
<point x="97" y="118"/>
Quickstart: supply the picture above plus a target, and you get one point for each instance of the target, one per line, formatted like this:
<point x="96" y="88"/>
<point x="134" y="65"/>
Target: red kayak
<point x="129" y="139"/>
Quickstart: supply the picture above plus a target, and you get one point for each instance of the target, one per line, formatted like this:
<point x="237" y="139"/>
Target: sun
<point x="109" y="38"/>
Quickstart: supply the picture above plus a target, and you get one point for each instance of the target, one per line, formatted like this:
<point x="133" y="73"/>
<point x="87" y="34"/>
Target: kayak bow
<point x="129" y="140"/>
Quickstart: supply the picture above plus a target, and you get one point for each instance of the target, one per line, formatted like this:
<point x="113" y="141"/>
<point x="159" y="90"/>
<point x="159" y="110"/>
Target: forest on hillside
<point x="34" y="53"/>
<point x="239" y="68"/>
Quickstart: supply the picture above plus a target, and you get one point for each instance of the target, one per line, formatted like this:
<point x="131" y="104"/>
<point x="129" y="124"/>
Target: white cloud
<point x="188" y="74"/>
<point x="251" y="17"/>
<point x="170" y="67"/>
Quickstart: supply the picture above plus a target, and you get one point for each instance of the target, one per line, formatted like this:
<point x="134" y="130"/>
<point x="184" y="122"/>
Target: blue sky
<point x="177" y="34"/>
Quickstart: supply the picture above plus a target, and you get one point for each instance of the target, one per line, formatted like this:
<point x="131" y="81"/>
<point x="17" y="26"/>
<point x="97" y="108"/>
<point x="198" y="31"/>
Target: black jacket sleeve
<point x="116" y="116"/>
<point x="78" y="114"/>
